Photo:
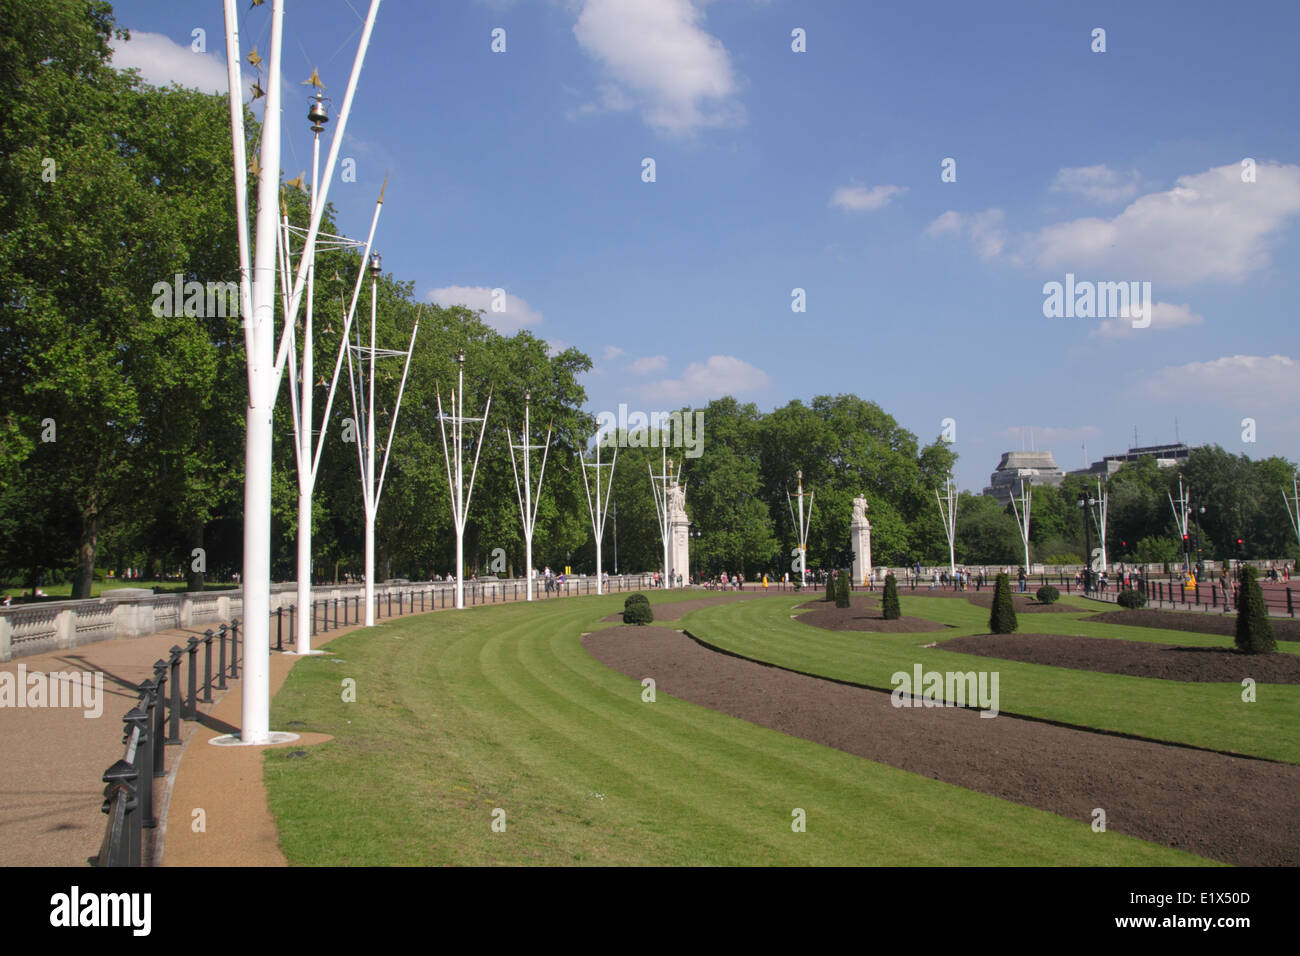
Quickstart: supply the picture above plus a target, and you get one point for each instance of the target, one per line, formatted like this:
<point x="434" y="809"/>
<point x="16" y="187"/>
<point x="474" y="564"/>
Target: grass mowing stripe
<point x="458" y="713"/>
<point x="1210" y="715"/>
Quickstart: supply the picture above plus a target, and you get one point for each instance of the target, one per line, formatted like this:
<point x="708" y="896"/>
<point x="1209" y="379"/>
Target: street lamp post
<point x="696" y="534"/>
<point x="1085" y="503"/>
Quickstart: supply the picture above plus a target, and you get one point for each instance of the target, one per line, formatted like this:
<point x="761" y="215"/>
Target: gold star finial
<point x="313" y="80"/>
<point x="255" y="58"/>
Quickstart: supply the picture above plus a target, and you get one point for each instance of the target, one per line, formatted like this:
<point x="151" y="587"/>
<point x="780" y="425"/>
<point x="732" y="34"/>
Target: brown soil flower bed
<point x="1133" y="658"/>
<point x="863" y="615"/>
<point x="1025" y="603"/>
<point x="1197" y="622"/>
<point x="1233" y="809"/>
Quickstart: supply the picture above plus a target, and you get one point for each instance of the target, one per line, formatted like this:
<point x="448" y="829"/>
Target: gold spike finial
<point x="382" y="188"/>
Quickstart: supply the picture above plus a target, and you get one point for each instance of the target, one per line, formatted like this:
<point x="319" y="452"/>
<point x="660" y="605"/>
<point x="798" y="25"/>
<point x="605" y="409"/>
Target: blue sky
<point x="820" y="170"/>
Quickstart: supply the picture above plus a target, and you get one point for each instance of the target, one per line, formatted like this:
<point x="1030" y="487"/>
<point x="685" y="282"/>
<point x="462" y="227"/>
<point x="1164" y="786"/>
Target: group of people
<point x="724" y="582"/>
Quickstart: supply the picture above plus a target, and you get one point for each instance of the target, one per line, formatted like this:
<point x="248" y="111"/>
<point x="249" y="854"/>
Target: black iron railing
<point x="149" y="726"/>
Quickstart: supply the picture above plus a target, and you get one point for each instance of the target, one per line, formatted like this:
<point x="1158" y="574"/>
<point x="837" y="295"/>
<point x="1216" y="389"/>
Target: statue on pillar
<point x="860" y="538"/>
<point x="679" y="553"/>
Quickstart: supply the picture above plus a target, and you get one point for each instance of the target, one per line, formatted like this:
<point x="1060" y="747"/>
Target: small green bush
<point x="1002" y="619"/>
<point x="1048" y="595"/>
<point x="1254" y="631"/>
<point x="637" y="598"/>
<point x="889" y="602"/>
<point x="638" y="613"/>
<point x="829" y="592"/>
<point x="1132" y="599"/>
<point x="843" y="595"/>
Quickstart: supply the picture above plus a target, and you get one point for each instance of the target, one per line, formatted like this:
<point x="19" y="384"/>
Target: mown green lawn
<point x="461" y="713"/>
<point x="1204" y="715"/>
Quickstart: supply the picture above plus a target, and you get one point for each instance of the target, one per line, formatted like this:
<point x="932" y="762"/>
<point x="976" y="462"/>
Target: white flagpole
<point x="527" y="507"/>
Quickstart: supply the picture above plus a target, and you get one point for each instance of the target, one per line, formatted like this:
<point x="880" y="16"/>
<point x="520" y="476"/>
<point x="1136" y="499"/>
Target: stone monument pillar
<point x="860" y="539"/>
<point x="679" y="537"/>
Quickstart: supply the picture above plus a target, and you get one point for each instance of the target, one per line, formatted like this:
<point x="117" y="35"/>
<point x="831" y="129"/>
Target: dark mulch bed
<point x="1232" y="809"/>
<point x="1134" y="658"/>
<point x="673" y="610"/>
<point x="863" y="615"/>
<point x="1025" y="603"/>
<point x="1198" y="622"/>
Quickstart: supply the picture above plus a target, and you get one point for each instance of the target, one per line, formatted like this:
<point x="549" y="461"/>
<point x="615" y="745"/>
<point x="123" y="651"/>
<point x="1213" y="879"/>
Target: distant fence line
<point x="59" y="625"/>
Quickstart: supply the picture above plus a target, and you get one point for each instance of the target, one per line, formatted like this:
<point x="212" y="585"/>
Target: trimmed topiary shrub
<point x="1254" y="631"/>
<point x="829" y="591"/>
<point x="637" y="598"/>
<point x="1132" y="599"/>
<point x="1002" y="619"/>
<point x="1048" y="595"/>
<point x="843" y="596"/>
<point x="889" y="601"/>
<point x="638" y="612"/>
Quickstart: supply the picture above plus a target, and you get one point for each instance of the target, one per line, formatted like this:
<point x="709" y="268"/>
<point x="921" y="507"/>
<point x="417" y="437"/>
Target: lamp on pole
<point x="696" y="534"/>
<point x="1085" y="503"/>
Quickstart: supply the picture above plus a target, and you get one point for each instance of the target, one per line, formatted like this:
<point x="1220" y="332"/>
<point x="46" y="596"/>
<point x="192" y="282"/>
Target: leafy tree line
<point x="121" y="429"/>
<point x="1232" y="498"/>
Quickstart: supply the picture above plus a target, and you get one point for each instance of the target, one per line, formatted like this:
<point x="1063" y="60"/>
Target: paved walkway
<point x="52" y="759"/>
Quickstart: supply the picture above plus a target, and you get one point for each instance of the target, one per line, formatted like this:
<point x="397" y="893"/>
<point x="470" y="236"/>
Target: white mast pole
<point x="304" y="423"/>
<point x="256" y="698"/>
<point x="527" y="506"/>
<point x="1293" y="505"/>
<point x="1022" y="518"/>
<point x="599" y="511"/>
<point x="460" y="498"/>
<point x="949" y="517"/>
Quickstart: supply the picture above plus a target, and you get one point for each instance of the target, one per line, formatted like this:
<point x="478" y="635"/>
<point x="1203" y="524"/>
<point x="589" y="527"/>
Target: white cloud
<point x="648" y="364"/>
<point x="1211" y="226"/>
<point x="1098" y="183"/>
<point x="719" y="375"/>
<point x="1246" y="382"/>
<point x="515" y="315"/>
<point x="1164" y="316"/>
<point x="984" y="229"/>
<point x="659" y="60"/>
<point x="162" y="61"/>
<point x="611" y="352"/>
<point x="857" y="198"/>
